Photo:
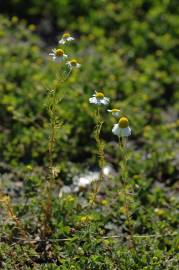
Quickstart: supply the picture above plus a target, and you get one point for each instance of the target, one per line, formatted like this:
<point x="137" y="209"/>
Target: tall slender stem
<point x="124" y="173"/>
<point x="52" y="109"/>
<point x="100" y="149"/>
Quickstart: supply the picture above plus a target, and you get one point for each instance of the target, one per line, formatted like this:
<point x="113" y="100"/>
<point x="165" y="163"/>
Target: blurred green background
<point x="128" y="49"/>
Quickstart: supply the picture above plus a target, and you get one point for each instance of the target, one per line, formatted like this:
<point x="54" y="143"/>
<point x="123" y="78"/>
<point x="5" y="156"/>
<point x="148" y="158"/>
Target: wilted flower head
<point x="66" y="37"/>
<point x="122" y="129"/>
<point x="73" y="64"/>
<point x="99" y="99"/>
<point x="115" y="112"/>
<point x="58" y="55"/>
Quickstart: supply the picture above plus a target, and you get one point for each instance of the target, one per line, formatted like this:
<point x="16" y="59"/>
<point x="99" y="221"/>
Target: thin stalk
<point x="123" y="169"/>
<point x="51" y="176"/>
<point x="54" y="101"/>
<point x="100" y="149"/>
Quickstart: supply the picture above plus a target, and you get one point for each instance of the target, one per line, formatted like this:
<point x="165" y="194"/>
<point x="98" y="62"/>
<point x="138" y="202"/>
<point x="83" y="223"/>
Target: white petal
<point x="116" y="114"/>
<point x="109" y="110"/>
<point x="99" y="102"/>
<point x="105" y="101"/>
<point x="93" y="100"/>
<point x="62" y="41"/>
<point x="62" y="58"/>
<point x="54" y="58"/>
<point x="121" y="132"/>
<point x="59" y="59"/>
<point x="78" y="65"/>
<point x="116" y="130"/>
<point x="125" y="132"/>
<point x="70" y="38"/>
<point x="52" y="54"/>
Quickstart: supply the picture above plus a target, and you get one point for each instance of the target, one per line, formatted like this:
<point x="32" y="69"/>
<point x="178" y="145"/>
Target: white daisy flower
<point x="115" y="112"/>
<point x="122" y="129"/>
<point x="99" y="99"/>
<point x="66" y="37"/>
<point x="73" y="64"/>
<point x="58" y="55"/>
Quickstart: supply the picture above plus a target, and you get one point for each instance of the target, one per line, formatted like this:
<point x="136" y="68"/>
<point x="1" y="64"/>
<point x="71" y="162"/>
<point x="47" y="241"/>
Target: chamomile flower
<point x="66" y="37"/>
<point x="73" y="64"/>
<point x="99" y="99"/>
<point x="122" y="129"/>
<point x="115" y="112"/>
<point x="58" y="55"/>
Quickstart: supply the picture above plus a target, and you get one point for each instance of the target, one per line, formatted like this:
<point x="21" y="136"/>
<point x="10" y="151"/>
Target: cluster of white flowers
<point x="58" y="54"/>
<point x="121" y="129"/>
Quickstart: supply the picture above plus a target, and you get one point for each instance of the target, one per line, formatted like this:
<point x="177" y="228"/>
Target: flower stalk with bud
<point x="55" y="96"/>
<point x="66" y="38"/>
<point x="122" y="130"/>
<point x="115" y="112"/>
<point x="99" y="99"/>
<point x="73" y="64"/>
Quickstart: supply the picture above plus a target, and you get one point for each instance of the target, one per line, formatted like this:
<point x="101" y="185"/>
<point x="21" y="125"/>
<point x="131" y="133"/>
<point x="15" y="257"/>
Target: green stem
<point x="123" y="168"/>
<point x="100" y="147"/>
<point x="52" y="109"/>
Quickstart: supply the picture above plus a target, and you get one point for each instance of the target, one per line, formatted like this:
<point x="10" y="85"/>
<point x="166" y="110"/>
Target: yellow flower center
<point x="115" y="110"/>
<point x="99" y="95"/>
<point x="66" y="35"/>
<point x="73" y="62"/>
<point x="59" y="52"/>
<point x="123" y="122"/>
